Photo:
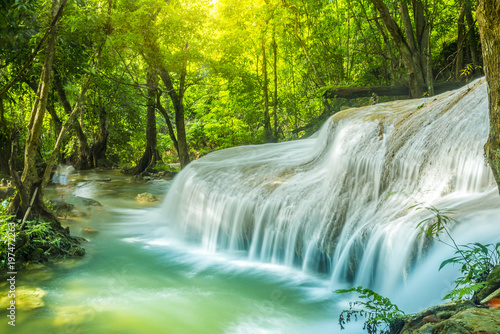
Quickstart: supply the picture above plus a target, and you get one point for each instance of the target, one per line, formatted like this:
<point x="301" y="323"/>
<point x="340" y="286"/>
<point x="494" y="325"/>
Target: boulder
<point x="88" y="202"/>
<point x="89" y="230"/>
<point x="456" y="317"/>
<point x="61" y="207"/>
<point x="146" y="198"/>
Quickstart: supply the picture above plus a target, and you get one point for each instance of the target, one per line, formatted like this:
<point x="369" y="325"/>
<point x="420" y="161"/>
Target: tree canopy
<point x="157" y="82"/>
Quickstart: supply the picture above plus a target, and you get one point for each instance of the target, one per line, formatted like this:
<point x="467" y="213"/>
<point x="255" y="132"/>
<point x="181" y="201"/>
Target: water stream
<point x="254" y="239"/>
<point x="138" y="277"/>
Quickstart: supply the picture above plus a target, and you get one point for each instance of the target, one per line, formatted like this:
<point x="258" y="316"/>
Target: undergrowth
<point x="476" y="262"/>
<point x="38" y="241"/>
<point x="378" y="311"/>
<point x="475" y="259"/>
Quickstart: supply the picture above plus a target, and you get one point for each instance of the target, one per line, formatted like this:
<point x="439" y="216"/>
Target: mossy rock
<point x="36" y="255"/>
<point x="146" y="198"/>
<point x="61" y="207"/>
<point x="77" y="251"/>
<point x="492" y="284"/>
<point x="414" y="323"/>
<point x="88" y="202"/>
<point x="26" y="298"/>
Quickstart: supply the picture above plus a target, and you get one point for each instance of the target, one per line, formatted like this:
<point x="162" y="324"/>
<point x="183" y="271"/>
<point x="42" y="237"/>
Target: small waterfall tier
<point x="342" y="203"/>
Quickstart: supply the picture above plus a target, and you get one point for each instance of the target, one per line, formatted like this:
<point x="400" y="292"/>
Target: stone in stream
<point x="61" y="207"/>
<point x="26" y="298"/>
<point x="89" y="230"/>
<point x="146" y="198"/>
<point x="88" y="202"/>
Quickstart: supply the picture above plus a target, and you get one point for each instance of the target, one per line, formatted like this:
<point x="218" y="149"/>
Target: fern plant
<point x="379" y="312"/>
<point x="476" y="260"/>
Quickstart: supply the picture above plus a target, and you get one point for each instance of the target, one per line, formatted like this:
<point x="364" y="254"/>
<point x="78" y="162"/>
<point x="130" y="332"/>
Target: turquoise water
<point x="138" y="278"/>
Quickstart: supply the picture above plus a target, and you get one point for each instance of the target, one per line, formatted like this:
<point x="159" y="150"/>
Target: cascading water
<point x="341" y="203"/>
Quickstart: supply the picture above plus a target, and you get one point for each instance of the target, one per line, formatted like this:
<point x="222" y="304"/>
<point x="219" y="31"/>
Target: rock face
<point x="456" y="317"/>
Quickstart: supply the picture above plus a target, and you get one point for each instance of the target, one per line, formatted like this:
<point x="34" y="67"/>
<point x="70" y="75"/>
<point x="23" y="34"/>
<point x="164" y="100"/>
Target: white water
<point x="258" y="237"/>
<point x="338" y="205"/>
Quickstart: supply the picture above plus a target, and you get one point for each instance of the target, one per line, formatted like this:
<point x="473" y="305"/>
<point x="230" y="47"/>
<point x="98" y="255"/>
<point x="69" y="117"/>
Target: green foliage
<point x="7" y="230"/>
<point x="378" y="311"/>
<point x="37" y="237"/>
<point x="437" y="223"/>
<point x="476" y="263"/>
<point x="475" y="259"/>
<point x="469" y="69"/>
<point x="318" y="45"/>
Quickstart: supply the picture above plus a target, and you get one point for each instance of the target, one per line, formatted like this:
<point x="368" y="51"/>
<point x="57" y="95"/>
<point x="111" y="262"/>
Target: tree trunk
<point x="406" y="46"/>
<point x="471" y="36"/>
<point x="4" y="141"/>
<point x="150" y="155"/>
<point x="459" y="60"/>
<point x="171" y="132"/>
<point x="177" y="101"/>
<point x="101" y="145"/>
<point x="30" y="181"/>
<point x="275" y="98"/>
<point x="488" y="17"/>
<point x="265" y="91"/>
<point x="84" y="152"/>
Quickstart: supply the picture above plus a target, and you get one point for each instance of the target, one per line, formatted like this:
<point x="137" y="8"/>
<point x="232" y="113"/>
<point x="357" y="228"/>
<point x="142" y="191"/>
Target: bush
<point x="378" y="311"/>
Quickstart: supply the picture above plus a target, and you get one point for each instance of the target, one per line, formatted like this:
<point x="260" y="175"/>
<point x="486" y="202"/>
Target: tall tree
<point x="29" y="184"/>
<point x="150" y="156"/>
<point x="412" y="41"/>
<point x="488" y="17"/>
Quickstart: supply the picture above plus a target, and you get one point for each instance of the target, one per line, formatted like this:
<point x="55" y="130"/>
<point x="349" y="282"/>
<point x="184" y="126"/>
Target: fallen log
<point x="367" y="91"/>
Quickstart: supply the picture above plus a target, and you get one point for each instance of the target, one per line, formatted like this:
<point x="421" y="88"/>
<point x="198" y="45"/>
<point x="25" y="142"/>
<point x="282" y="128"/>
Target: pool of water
<point x="137" y="277"/>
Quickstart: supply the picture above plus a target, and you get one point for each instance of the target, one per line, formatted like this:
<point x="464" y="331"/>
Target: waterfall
<point x="342" y="203"/>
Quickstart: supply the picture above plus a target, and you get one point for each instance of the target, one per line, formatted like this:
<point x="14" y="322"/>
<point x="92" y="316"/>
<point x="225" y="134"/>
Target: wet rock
<point x="107" y="179"/>
<point x="415" y="322"/>
<point x="26" y="298"/>
<point x="88" y="202"/>
<point x="170" y="175"/>
<point x="431" y="318"/>
<point x="61" y="207"/>
<point x="456" y="317"/>
<point x="138" y="179"/>
<point x="77" y="251"/>
<point x="146" y="198"/>
<point x="89" y="230"/>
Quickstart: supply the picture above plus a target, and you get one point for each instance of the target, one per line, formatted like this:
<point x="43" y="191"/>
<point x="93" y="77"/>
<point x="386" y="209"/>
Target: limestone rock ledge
<point x="456" y="317"/>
